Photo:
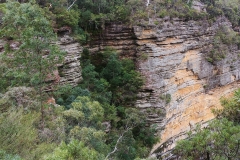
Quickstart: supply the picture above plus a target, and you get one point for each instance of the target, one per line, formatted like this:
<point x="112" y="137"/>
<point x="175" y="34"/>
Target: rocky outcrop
<point x="116" y="35"/>
<point x="70" y="70"/>
<point x="181" y="86"/>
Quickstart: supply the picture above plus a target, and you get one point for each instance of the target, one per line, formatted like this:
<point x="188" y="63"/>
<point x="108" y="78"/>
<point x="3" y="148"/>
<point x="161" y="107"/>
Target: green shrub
<point x="2" y="7"/>
<point x="122" y="12"/>
<point x="219" y="140"/>
<point x="18" y="135"/>
<point x="166" y="97"/>
<point x="144" y="56"/>
<point x="163" y="13"/>
<point x="74" y="150"/>
<point x="223" y="40"/>
<point x="67" y="17"/>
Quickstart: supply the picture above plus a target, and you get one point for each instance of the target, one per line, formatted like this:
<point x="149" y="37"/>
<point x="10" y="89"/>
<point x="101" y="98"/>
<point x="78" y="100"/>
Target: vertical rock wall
<point x="181" y="87"/>
<point x="70" y="71"/>
<point x="179" y="81"/>
<point x="117" y="36"/>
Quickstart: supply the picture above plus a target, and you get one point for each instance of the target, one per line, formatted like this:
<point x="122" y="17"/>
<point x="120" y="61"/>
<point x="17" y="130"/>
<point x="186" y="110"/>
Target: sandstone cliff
<point x="176" y="66"/>
<point x="70" y="70"/>
<point x="181" y="86"/>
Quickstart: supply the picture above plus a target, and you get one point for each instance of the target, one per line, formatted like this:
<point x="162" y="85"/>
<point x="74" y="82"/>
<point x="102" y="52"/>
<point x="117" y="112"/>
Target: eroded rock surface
<point x="70" y="70"/>
<point x="117" y="36"/>
<point x="181" y="86"/>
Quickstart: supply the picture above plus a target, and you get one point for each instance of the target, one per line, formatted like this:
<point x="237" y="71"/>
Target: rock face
<point x="181" y="87"/>
<point x="117" y="36"/>
<point x="182" y="83"/>
<point x="70" y="70"/>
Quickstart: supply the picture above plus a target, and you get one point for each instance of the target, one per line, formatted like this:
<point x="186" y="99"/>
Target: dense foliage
<point x="91" y="15"/>
<point x="31" y="33"/>
<point x="114" y="83"/>
<point x="33" y="59"/>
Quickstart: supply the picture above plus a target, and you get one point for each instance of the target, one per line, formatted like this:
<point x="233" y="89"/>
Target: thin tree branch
<point x="119" y="139"/>
<point x="71" y="5"/>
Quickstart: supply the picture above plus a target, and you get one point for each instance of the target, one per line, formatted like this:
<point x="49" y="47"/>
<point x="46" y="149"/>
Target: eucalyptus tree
<point x="34" y="58"/>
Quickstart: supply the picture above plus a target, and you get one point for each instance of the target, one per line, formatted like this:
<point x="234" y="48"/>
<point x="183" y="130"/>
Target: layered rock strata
<point x="182" y="83"/>
<point x="181" y="86"/>
<point x="70" y="71"/>
<point x="117" y="36"/>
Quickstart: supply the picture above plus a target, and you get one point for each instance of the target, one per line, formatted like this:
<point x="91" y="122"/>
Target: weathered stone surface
<point x="70" y="70"/>
<point x="176" y="66"/>
<point x="181" y="87"/>
<point x="117" y="36"/>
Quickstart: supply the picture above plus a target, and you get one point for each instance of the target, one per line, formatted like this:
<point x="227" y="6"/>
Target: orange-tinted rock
<point x="181" y="87"/>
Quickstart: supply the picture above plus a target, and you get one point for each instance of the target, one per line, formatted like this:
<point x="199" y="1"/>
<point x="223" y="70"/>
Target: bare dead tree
<point x="71" y="5"/>
<point x="118" y="141"/>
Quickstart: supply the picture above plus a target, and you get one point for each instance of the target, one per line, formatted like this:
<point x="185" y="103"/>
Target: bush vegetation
<point x="224" y="41"/>
<point x="113" y="83"/>
<point x="90" y="15"/>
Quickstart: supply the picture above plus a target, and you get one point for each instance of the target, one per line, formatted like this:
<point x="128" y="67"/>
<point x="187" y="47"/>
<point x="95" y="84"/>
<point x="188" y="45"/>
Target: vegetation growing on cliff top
<point x="92" y="14"/>
<point x="89" y="15"/>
